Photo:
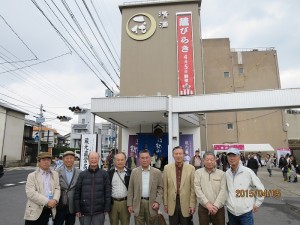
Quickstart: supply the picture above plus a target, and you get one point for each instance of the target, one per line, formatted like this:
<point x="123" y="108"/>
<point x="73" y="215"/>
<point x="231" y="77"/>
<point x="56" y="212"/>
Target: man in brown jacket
<point x="179" y="193"/>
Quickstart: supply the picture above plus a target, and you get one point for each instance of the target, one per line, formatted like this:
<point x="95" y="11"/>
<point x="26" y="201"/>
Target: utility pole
<point x="40" y="120"/>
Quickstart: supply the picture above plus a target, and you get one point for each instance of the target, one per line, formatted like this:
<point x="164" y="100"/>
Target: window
<point x="83" y="121"/>
<point x="229" y="126"/>
<point x="241" y="71"/>
<point x="226" y="74"/>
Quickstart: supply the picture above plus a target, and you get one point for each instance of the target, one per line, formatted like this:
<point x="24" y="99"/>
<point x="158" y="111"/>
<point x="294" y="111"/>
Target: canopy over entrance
<point x="244" y="147"/>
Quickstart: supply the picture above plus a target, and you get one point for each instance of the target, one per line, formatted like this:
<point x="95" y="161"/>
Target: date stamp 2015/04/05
<point x="240" y="193"/>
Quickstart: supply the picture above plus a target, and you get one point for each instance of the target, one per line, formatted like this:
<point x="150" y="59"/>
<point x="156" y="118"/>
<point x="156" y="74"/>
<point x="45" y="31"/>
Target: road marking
<point x="7" y="185"/>
<point x="22" y="182"/>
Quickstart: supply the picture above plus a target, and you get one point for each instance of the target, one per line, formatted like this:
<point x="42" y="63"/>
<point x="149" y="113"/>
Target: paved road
<point x="275" y="211"/>
<point x="15" y="176"/>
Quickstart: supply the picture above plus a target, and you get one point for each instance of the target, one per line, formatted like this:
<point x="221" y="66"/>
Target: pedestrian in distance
<point x="253" y="164"/>
<point x="240" y="182"/>
<point x="43" y="192"/>
<point x="93" y="193"/>
<point x="196" y="160"/>
<point x="269" y="163"/>
<point x="68" y="176"/>
<point x="119" y="177"/>
<point x="58" y="162"/>
<point x="211" y="191"/>
<point x="179" y="192"/>
<point x="145" y="191"/>
<point x="131" y="161"/>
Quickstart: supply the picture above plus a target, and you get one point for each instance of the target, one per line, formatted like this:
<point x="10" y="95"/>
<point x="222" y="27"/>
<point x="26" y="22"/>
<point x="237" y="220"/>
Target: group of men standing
<point x="120" y="192"/>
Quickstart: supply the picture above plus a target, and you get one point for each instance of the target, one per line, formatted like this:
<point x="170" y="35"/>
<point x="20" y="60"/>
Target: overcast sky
<point x="61" y="79"/>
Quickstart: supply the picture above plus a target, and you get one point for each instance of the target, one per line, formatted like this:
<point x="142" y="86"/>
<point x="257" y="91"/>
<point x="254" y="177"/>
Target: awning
<point x="244" y="147"/>
<point x="258" y="148"/>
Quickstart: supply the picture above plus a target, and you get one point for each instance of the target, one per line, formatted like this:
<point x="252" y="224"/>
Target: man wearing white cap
<point x="242" y="198"/>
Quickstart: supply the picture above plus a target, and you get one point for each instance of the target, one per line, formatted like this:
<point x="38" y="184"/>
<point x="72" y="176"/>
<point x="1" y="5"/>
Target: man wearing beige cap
<point x="68" y="176"/>
<point x="43" y="192"/>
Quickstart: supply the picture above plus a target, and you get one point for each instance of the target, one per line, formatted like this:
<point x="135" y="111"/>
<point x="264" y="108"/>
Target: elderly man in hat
<point x="68" y="176"/>
<point x="243" y="191"/>
<point x="43" y="192"/>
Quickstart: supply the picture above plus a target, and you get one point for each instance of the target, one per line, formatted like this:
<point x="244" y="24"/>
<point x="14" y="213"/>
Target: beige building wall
<point x="11" y="134"/>
<point x="149" y="67"/>
<point x="292" y="125"/>
<point x="246" y="70"/>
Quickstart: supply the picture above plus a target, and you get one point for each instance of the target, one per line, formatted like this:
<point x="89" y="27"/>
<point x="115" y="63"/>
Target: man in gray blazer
<point x="43" y="192"/>
<point x="145" y="191"/>
<point x="68" y="176"/>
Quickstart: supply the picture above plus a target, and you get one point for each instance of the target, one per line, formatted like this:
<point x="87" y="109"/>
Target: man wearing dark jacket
<point x="93" y="193"/>
<point x="252" y="164"/>
<point x="119" y="177"/>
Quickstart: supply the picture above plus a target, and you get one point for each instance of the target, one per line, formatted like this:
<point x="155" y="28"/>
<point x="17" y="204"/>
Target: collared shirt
<point x="145" y="182"/>
<point x="46" y="176"/>
<point x="178" y="176"/>
<point x="69" y="174"/>
<point x="119" y="189"/>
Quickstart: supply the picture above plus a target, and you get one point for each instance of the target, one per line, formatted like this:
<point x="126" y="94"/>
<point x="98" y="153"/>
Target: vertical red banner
<point x="185" y="54"/>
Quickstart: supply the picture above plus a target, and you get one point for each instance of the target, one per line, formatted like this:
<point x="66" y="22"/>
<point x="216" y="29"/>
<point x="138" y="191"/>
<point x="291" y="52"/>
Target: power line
<point x="99" y="32"/>
<point x="74" y="39"/>
<point x="34" y="64"/>
<point x="38" y="7"/>
<point x="103" y="27"/>
<point x="87" y="40"/>
<point x="20" y="40"/>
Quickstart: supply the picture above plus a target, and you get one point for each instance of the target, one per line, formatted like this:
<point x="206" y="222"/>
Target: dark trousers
<point x="63" y="215"/>
<point x="205" y="219"/>
<point x="177" y="217"/>
<point x="42" y="220"/>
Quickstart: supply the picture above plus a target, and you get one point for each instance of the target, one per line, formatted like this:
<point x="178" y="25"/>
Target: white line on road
<point x="22" y="182"/>
<point x="7" y="185"/>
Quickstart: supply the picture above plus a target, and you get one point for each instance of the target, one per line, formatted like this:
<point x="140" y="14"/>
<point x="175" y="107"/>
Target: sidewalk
<point x="290" y="192"/>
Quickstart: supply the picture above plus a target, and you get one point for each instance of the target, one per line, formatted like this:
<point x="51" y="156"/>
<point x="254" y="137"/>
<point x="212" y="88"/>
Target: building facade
<point x="150" y="66"/>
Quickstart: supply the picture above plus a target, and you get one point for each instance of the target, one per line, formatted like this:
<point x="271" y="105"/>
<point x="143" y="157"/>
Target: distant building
<point x="106" y="132"/>
<point x="11" y="133"/>
<point x="48" y="135"/>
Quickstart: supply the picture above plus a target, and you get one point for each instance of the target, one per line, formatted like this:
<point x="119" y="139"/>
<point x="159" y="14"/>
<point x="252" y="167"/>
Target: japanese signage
<point x="225" y="147"/>
<point x="164" y="16"/>
<point x="88" y="144"/>
<point x="141" y="26"/>
<point x="185" y="54"/>
<point x="186" y="141"/>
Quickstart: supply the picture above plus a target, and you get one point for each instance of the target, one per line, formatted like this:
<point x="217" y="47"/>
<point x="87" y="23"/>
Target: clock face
<point x="141" y="26"/>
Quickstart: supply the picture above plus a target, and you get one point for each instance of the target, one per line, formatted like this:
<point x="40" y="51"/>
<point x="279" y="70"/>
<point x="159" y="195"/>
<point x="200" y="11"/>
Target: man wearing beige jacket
<point x="145" y="191"/>
<point x="179" y="193"/>
<point x="43" y="192"/>
<point x="210" y="188"/>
